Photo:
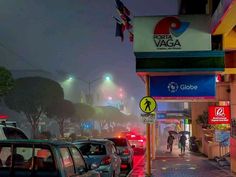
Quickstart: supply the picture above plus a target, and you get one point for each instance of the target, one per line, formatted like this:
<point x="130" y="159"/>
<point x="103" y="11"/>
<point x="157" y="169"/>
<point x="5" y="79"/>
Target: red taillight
<point x="126" y="152"/>
<point x="123" y="166"/>
<point x="106" y="160"/>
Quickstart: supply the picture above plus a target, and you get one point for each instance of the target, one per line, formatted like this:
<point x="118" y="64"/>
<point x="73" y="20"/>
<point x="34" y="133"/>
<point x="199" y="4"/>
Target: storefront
<point x="175" y="59"/>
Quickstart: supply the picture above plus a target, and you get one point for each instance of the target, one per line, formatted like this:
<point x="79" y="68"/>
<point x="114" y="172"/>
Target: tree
<point x="84" y="111"/>
<point x="109" y="116"/>
<point x="60" y="111"/>
<point x="32" y="96"/>
<point x="6" y="81"/>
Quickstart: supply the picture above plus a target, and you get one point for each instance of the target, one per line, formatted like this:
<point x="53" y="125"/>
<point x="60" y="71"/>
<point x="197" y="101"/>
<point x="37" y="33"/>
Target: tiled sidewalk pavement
<point x="190" y="166"/>
<point x="187" y="166"/>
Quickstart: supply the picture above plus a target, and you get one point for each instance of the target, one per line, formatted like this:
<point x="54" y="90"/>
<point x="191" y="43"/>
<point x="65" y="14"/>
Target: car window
<point x="92" y="149"/>
<point x="44" y="159"/>
<point x="22" y="158"/>
<point x="78" y="159"/>
<point x="13" y="133"/>
<point x="119" y="142"/>
<point x="5" y="152"/>
<point x="67" y="161"/>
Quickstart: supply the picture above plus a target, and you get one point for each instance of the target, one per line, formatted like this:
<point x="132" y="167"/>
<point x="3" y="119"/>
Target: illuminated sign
<point x="182" y="87"/>
<point x="219" y="115"/>
<point x="172" y="33"/>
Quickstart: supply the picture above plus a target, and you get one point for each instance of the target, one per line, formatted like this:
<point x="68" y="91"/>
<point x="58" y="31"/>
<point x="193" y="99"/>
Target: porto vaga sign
<point x="167" y="31"/>
<point x="172" y="33"/>
<point x="183" y="87"/>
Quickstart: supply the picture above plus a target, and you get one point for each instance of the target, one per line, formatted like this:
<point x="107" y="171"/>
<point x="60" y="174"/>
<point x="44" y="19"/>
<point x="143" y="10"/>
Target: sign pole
<point x="148" y="149"/>
<point x="153" y="141"/>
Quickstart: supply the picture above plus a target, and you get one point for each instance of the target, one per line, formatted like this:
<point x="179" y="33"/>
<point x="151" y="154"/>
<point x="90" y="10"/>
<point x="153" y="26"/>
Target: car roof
<point x="8" y="126"/>
<point x="33" y="141"/>
<point x="92" y="140"/>
<point x="116" y="138"/>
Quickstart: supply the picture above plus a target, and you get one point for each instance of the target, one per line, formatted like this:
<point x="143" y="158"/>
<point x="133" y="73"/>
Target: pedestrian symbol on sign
<point x="147" y="104"/>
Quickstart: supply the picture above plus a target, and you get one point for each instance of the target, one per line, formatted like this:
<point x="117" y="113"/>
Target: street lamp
<point x="107" y="78"/>
<point x="70" y="78"/>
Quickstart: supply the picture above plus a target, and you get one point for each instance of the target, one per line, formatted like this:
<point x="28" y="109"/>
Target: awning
<point x="180" y="62"/>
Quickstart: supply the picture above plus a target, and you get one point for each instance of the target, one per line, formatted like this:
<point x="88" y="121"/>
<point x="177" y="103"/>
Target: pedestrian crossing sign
<point x="147" y="104"/>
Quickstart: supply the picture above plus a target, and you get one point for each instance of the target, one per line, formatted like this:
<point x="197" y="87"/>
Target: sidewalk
<point x="190" y="165"/>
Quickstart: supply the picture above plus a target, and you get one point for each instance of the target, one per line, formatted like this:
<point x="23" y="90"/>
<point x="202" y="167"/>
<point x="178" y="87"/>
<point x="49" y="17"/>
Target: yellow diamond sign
<point x="148" y="104"/>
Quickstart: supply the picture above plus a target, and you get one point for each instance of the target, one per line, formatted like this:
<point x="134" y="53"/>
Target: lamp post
<point x="89" y="83"/>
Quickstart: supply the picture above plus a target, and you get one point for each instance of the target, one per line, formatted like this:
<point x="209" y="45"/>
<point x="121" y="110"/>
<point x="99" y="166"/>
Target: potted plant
<point x="203" y="120"/>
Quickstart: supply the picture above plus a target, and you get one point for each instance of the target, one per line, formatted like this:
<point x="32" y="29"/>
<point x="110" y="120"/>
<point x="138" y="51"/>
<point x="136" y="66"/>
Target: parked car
<point x="126" y="152"/>
<point x="103" y="153"/>
<point x="42" y="158"/>
<point x="8" y="130"/>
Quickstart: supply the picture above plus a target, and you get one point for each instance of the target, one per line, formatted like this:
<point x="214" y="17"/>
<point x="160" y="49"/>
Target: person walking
<point x="148" y="104"/>
<point x="182" y="142"/>
<point x="170" y="141"/>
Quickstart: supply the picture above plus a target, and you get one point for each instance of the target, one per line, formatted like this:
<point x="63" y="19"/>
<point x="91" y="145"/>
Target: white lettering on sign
<point x="148" y="118"/>
<point x="219" y="112"/>
<point x="188" y="87"/>
<point x="173" y="87"/>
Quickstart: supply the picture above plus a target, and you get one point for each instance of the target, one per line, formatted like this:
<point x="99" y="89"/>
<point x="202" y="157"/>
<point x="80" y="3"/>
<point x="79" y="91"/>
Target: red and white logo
<point x="167" y="31"/>
<point x="219" y="115"/>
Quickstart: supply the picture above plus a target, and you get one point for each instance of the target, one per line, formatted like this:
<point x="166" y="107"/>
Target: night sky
<point x="74" y="36"/>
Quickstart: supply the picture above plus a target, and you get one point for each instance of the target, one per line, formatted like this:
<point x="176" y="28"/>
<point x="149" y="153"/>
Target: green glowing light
<point x="70" y="78"/>
<point x="107" y="78"/>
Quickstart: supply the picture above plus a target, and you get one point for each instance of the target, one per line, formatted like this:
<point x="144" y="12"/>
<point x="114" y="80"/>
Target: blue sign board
<point x="183" y="87"/>
<point x="161" y="115"/>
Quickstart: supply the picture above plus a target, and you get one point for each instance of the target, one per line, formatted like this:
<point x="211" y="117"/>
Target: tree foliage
<point x="32" y="96"/>
<point x="6" y="81"/>
<point x="61" y="111"/>
<point x="203" y="119"/>
<point x="83" y="111"/>
<point x="110" y="114"/>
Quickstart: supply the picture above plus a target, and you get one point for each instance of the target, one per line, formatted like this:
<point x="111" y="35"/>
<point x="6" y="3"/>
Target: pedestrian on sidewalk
<point x="170" y="141"/>
<point x="182" y="142"/>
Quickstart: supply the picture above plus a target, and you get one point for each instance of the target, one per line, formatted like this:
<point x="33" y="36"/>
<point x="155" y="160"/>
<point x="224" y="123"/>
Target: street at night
<point x="118" y="88"/>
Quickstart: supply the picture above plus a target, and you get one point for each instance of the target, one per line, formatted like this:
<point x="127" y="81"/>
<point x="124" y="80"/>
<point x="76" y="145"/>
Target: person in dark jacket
<point x="170" y="141"/>
<point x="182" y="142"/>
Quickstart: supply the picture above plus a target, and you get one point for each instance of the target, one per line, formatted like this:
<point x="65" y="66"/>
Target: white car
<point x="8" y="130"/>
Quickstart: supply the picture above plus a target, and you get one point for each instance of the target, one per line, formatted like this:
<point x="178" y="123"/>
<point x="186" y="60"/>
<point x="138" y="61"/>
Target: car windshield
<point x="13" y="133"/>
<point x="92" y="149"/>
<point x="119" y="142"/>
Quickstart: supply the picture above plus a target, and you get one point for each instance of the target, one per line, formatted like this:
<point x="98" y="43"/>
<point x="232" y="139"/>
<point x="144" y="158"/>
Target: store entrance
<point x="175" y="127"/>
